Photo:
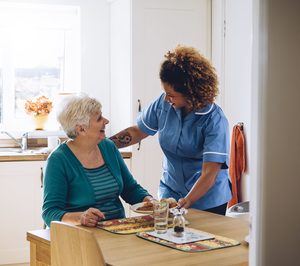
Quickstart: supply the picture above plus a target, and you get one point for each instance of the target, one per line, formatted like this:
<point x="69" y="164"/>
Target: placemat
<point x="199" y="246"/>
<point x="131" y="225"/>
<point x="128" y="225"/>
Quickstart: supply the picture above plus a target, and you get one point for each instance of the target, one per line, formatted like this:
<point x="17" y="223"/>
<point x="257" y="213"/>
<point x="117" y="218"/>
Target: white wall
<point x="238" y="56"/>
<point x="232" y="56"/>
<point x="120" y="65"/>
<point x="95" y="51"/>
<point x="276" y="130"/>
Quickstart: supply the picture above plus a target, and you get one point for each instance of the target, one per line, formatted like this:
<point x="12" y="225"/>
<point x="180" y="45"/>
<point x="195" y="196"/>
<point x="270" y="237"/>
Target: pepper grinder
<point x="179" y="222"/>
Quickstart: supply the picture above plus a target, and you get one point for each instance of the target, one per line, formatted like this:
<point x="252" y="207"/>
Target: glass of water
<point x="160" y="215"/>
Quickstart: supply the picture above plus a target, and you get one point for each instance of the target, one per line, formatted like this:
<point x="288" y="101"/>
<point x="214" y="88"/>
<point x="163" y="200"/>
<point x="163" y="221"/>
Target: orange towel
<point x="237" y="164"/>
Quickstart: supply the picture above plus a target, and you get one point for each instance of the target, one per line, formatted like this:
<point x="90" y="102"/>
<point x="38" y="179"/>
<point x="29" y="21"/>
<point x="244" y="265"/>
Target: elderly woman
<point x="193" y="132"/>
<point x="85" y="176"/>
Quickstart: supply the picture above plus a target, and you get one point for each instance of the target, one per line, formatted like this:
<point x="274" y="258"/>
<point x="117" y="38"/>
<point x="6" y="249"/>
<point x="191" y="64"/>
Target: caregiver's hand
<point x="184" y="203"/>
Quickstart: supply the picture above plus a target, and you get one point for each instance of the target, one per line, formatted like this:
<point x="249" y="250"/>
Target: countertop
<point x="37" y="150"/>
<point x="37" y="155"/>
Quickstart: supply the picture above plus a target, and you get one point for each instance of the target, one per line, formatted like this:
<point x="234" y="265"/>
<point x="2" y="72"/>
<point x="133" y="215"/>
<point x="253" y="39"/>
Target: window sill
<point x="34" y="134"/>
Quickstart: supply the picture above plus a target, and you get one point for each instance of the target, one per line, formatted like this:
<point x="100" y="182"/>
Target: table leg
<point x="33" y="261"/>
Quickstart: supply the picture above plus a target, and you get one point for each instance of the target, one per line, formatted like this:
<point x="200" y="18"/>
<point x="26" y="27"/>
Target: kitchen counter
<point x="37" y="154"/>
<point x="22" y="157"/>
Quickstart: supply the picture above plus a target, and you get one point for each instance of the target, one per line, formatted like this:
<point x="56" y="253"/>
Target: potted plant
<point x="39" y="109"/>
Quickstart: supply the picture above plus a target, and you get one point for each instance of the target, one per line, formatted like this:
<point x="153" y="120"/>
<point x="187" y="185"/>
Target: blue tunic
<point x="201" y="136"/>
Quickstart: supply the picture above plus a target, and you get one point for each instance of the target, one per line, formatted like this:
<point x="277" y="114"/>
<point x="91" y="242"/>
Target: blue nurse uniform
<point x="201" y="136"/>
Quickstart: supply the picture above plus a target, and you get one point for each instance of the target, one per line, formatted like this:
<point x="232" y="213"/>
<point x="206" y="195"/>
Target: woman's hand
<point x="148" y="198"/>
<point x="91" y="217"/>
<point x="184" y="203"/>
<point x="207" y="179"/>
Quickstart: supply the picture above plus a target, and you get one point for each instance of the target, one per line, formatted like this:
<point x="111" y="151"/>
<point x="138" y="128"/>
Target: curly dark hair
<point x="190" y="74"/>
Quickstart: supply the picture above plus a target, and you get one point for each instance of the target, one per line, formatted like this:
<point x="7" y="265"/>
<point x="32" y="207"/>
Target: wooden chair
<point x="74" y="246"/>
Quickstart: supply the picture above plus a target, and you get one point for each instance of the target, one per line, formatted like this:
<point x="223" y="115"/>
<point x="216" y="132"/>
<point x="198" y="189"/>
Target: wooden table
<point x="131" y="250"/>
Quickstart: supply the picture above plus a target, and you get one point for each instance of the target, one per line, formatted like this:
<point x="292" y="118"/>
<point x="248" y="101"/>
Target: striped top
<point x="106" y="191"/>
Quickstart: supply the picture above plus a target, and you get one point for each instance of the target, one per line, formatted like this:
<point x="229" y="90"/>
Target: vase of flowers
<point x="39" y="109"/>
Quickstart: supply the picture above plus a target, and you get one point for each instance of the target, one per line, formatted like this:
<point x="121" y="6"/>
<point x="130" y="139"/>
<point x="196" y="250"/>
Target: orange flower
<point x="38" y="106"/>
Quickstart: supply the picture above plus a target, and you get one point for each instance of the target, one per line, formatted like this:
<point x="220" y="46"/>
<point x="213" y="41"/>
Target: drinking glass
<point x="160" y="215"/>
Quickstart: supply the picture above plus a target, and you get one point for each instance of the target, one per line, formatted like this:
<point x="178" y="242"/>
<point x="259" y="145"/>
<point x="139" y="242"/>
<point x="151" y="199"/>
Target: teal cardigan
<point x="67" y="189"/>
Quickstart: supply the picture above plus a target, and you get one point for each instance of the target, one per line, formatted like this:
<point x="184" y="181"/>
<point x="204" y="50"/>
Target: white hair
<point x="77" y="111"/>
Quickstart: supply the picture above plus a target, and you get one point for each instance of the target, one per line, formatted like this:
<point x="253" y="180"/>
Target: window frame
<point x="72" y="60"/>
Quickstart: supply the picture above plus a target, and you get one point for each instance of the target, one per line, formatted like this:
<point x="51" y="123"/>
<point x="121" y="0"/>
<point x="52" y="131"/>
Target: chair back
<point x="74" y="246"/>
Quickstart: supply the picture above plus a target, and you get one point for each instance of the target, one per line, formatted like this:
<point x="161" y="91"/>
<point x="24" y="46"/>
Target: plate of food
<point x="142" y="207"/>
<point x="147" y="206"/>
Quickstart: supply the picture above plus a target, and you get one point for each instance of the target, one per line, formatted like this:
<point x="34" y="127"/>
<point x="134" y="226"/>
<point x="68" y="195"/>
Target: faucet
<point x="22" y="143"/>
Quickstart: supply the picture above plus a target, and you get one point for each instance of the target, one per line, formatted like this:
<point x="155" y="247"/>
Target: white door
<point x="159" y="26"/>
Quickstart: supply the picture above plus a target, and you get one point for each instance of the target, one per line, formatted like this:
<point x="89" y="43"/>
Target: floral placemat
<point x="131" y="225"/>
<point x="204" y="245"/>
<point x="128" y="225"/>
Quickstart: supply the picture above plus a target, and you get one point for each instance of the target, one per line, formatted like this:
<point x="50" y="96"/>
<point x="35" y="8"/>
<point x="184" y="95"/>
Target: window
<point x="39" y="55"/>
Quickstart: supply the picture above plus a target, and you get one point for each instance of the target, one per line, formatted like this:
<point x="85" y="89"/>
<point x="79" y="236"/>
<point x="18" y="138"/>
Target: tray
<point x="217" y="242"/>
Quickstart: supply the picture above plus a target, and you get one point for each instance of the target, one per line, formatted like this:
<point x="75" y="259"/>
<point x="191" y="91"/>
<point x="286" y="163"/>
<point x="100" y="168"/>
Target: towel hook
<point x="241" y="125"/>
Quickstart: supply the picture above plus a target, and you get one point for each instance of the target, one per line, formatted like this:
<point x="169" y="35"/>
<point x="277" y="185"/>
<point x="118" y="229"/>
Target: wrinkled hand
<point x="91" y="217"/>
<point x="148" y="198"/>
<point x="184" y="203"/>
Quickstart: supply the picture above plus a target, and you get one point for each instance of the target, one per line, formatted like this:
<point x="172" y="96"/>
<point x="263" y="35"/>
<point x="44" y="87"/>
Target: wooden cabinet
<point x="142" y="31"/>
<point x="20" y="205"/>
